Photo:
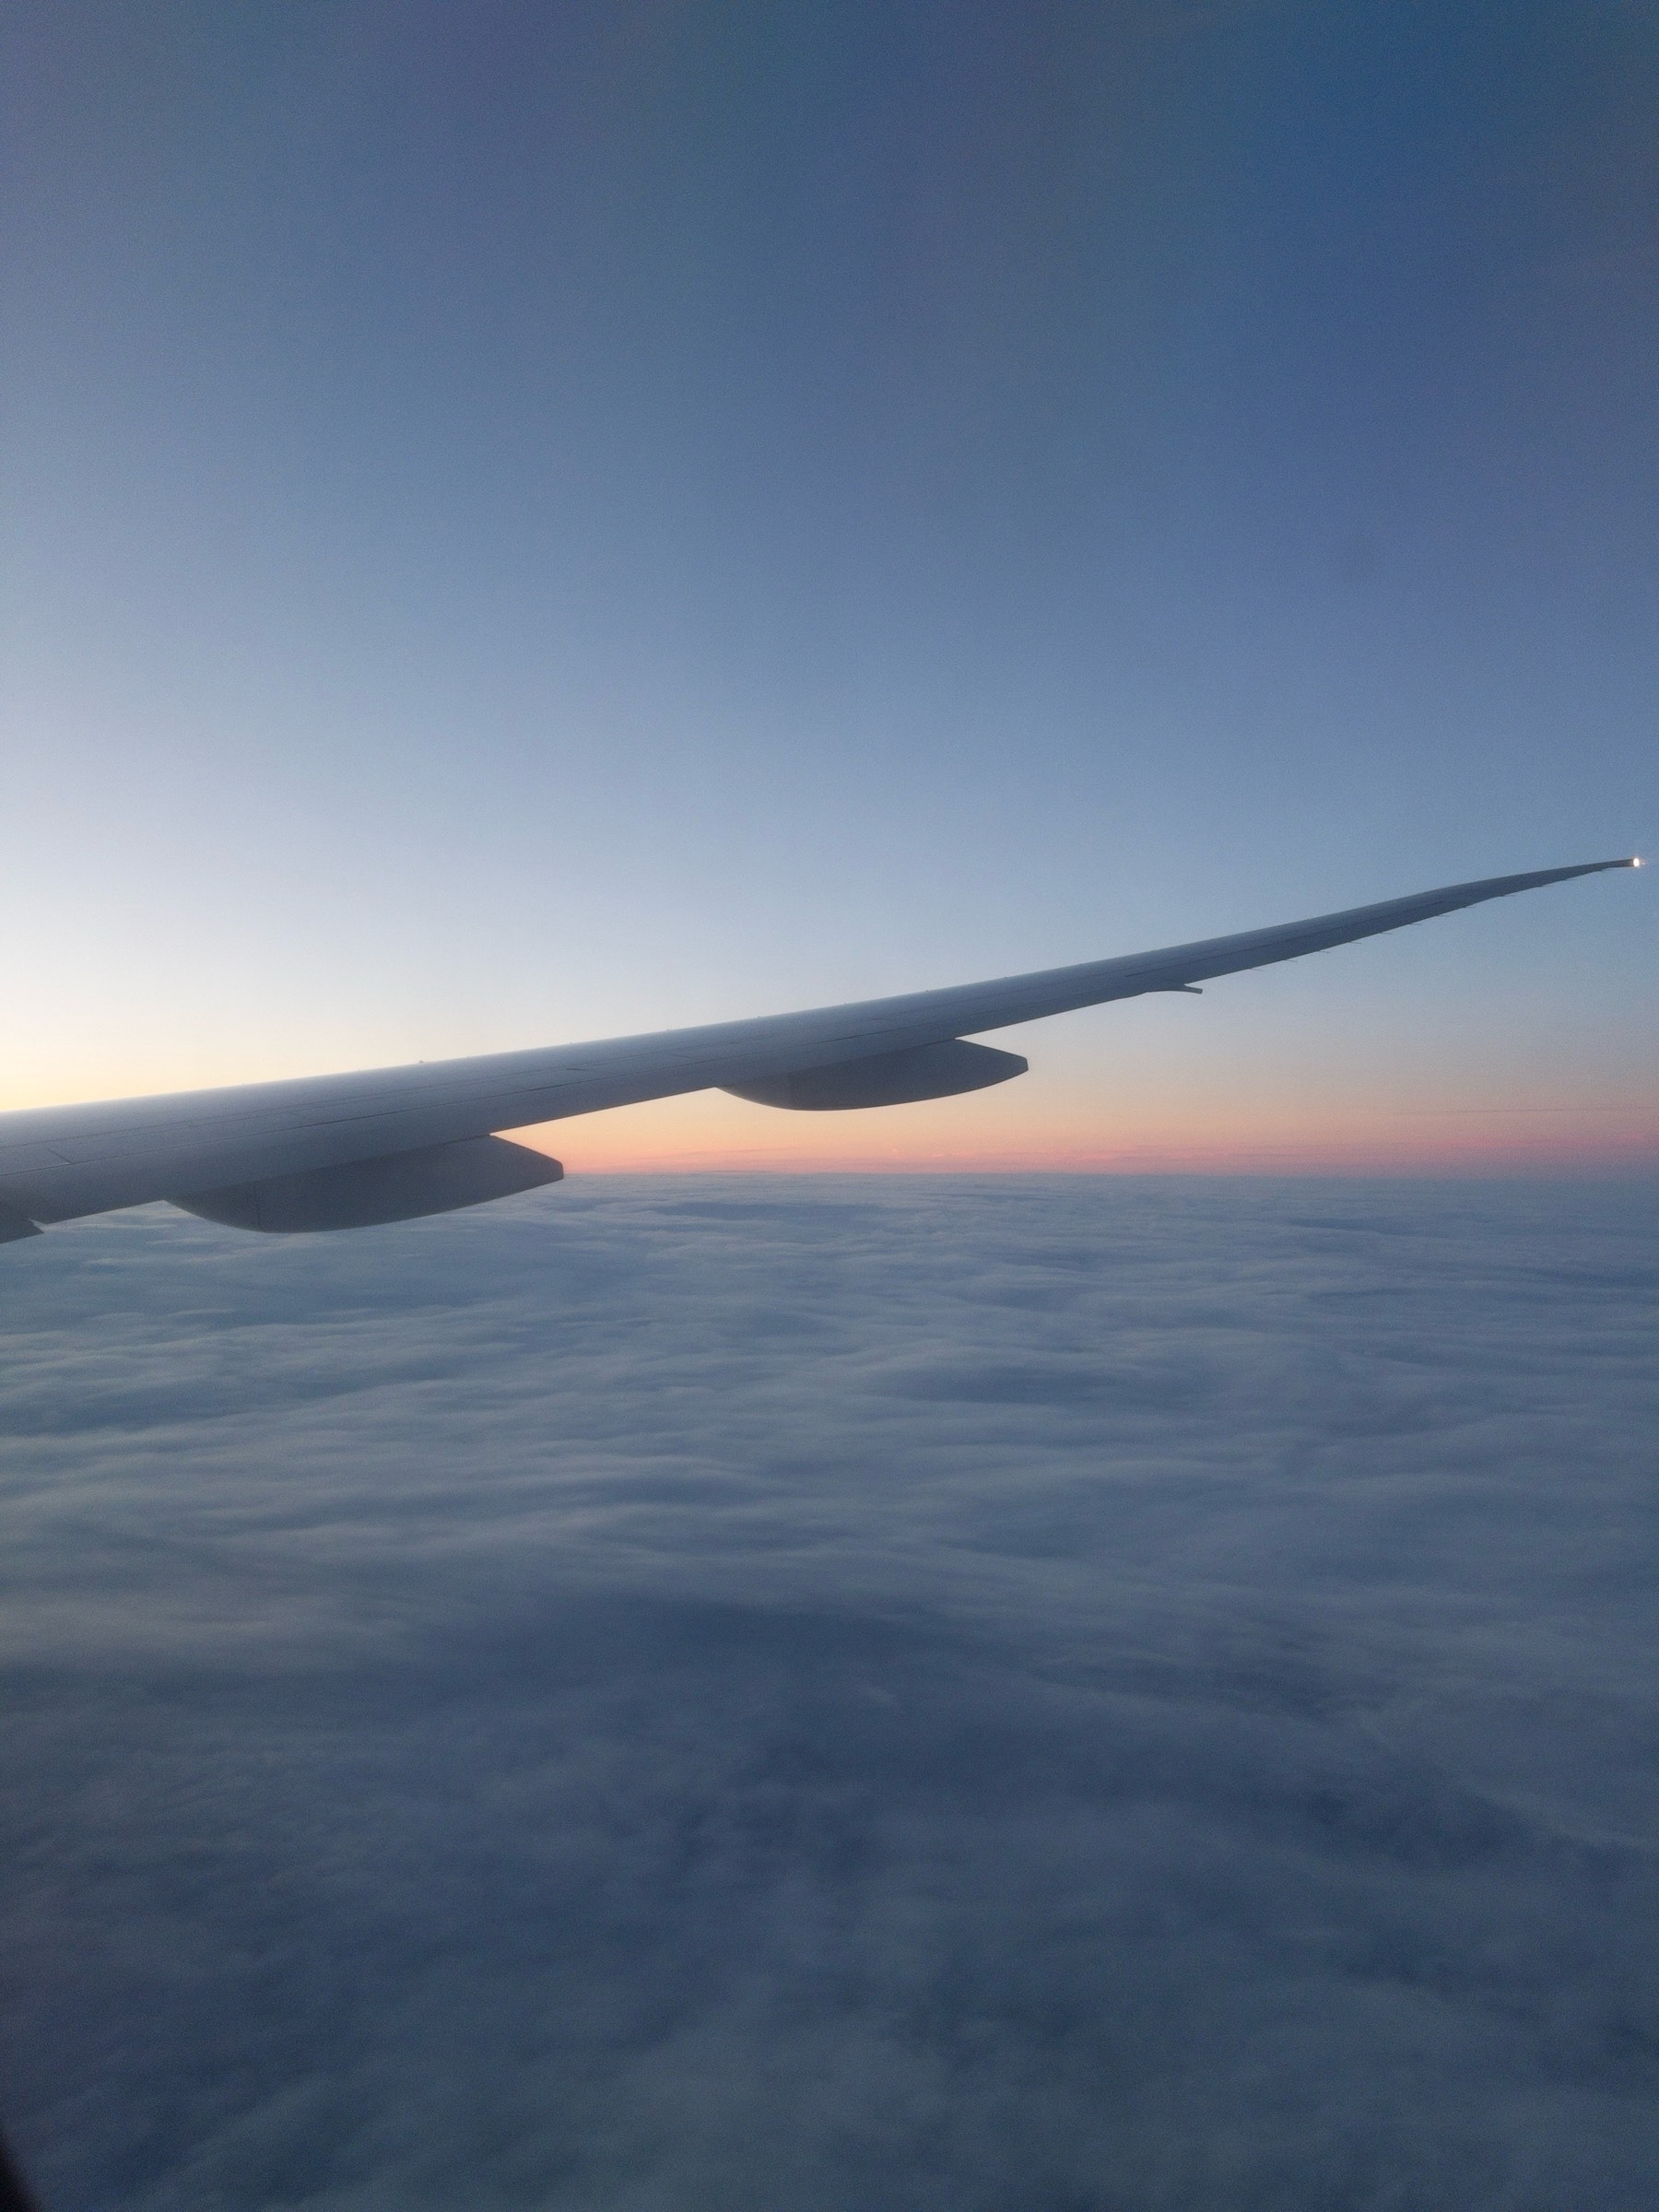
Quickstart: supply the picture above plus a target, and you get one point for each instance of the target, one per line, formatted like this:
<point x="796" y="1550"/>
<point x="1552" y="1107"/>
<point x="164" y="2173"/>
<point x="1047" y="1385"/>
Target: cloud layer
<point x="959" y="1693"/>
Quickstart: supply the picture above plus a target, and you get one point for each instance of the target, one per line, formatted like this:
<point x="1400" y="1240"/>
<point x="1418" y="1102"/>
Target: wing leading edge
<point x="209" y="1149"/>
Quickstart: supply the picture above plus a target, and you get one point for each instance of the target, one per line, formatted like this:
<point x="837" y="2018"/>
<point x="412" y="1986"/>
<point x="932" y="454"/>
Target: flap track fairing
<point x="925" y="1071"/>
<point x="364" y="1193"/>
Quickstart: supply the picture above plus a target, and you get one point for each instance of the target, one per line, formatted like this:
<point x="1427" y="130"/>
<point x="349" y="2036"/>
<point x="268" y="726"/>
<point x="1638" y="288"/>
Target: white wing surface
<point x="339" y="1151"/>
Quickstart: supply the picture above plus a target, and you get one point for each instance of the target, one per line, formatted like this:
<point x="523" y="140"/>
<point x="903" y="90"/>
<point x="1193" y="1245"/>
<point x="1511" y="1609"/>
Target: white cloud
<point x="837" y="1692"/>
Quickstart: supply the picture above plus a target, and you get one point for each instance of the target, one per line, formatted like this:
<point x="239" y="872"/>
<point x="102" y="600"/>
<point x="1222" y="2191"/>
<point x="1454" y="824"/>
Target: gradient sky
<point x="527" y="522"/>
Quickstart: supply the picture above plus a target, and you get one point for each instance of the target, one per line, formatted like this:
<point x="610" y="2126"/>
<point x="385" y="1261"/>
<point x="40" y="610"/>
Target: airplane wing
<point x="384" y="1144"/>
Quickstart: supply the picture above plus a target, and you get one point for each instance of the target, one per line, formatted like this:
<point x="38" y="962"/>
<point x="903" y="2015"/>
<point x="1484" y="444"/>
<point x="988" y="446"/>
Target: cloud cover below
<point x="959" y="1692"/>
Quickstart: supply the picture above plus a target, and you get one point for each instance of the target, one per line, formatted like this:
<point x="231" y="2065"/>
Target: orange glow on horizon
<point x="1134" y="1120"/>
<point x="710" y="1134"/>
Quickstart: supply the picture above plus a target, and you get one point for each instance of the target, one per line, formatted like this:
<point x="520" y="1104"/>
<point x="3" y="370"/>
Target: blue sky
<point x="533" y="523"/>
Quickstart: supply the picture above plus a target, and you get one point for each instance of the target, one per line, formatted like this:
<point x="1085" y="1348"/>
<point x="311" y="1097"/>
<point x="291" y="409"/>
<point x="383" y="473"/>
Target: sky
<point x="677" y="1693"/>
<point x="526" y="523"/>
